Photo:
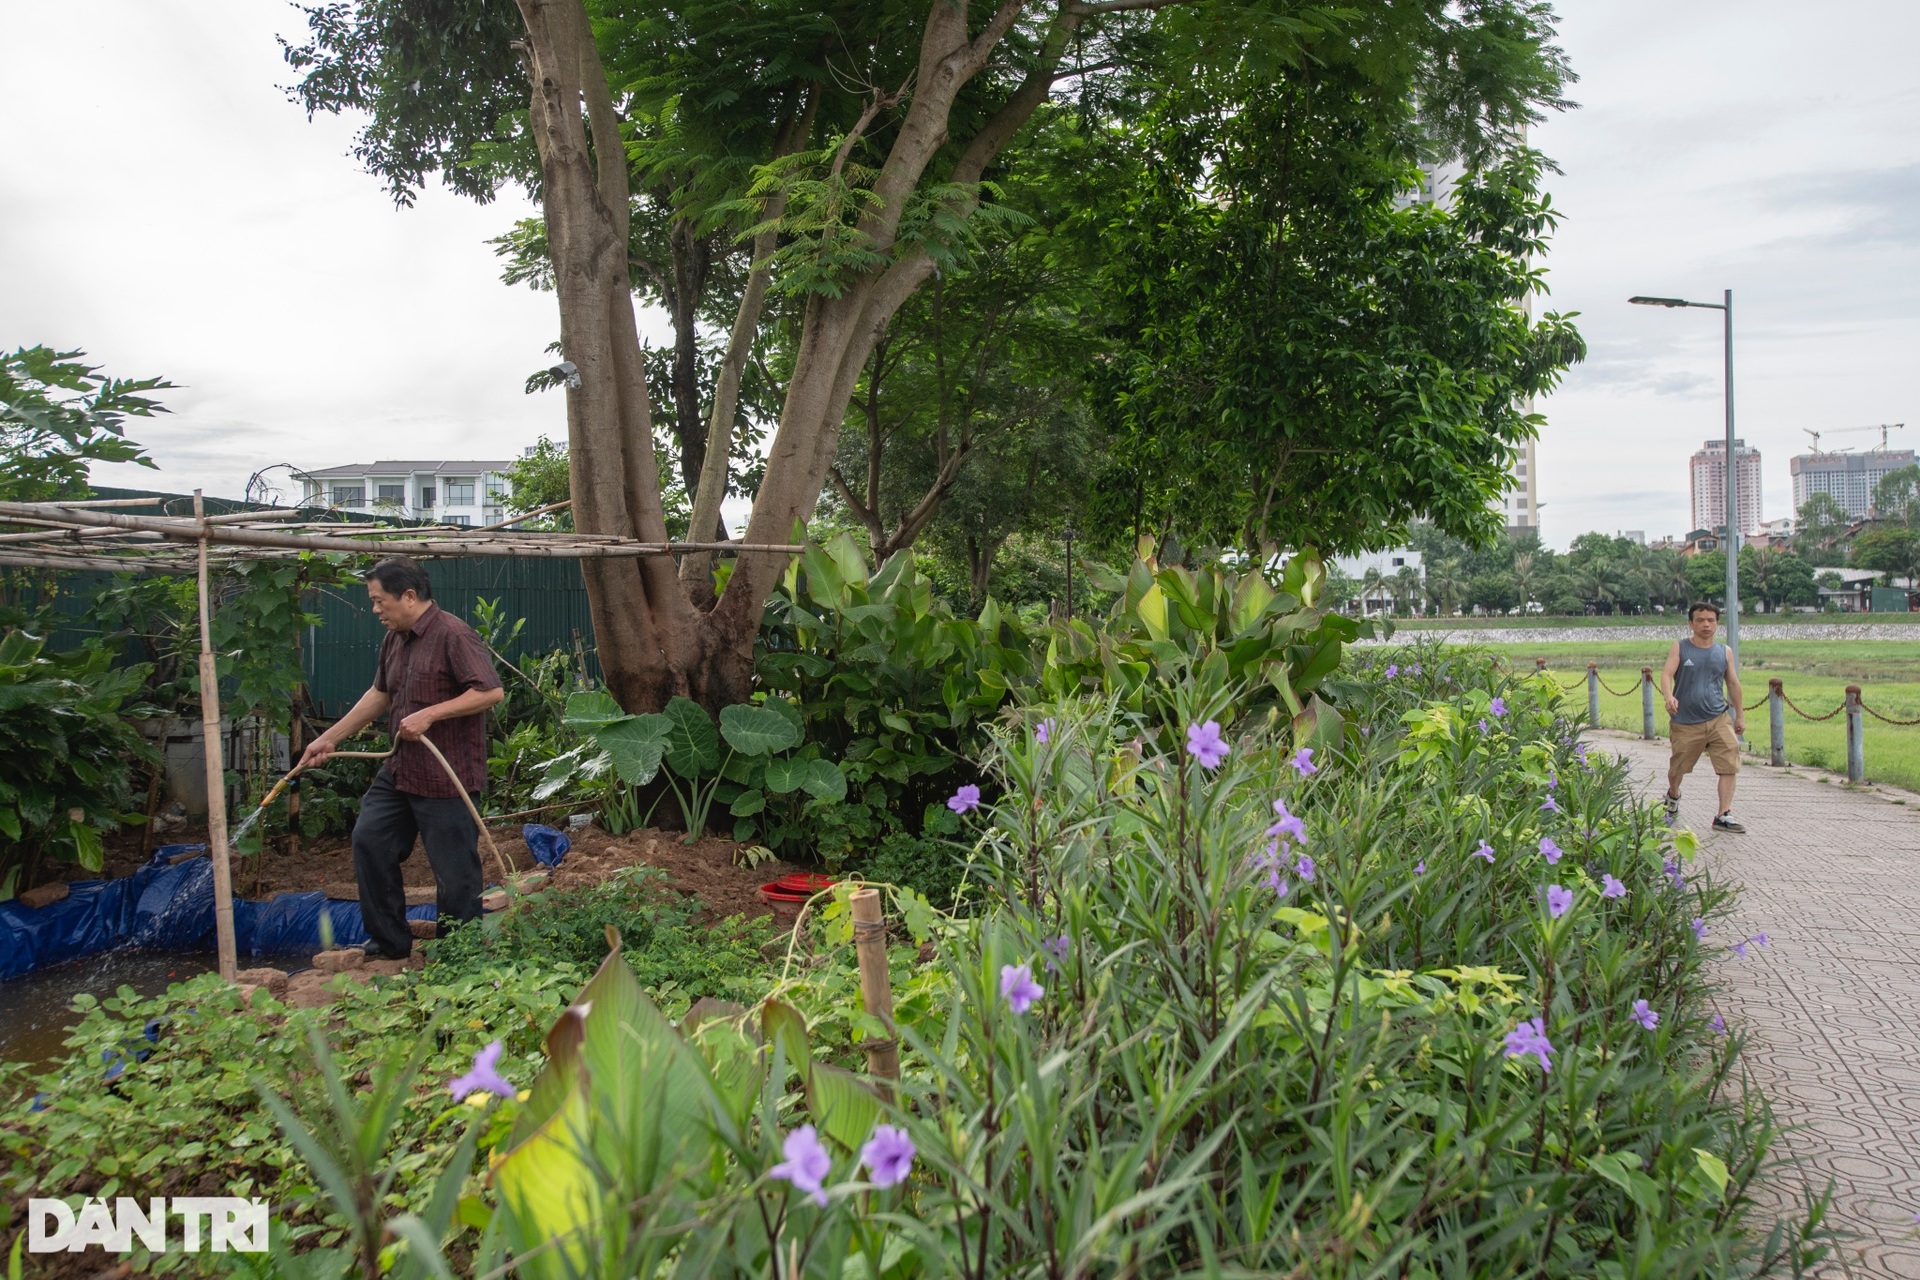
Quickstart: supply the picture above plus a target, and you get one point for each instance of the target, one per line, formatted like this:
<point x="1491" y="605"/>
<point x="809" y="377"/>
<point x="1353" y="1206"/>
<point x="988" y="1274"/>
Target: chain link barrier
<point x="1755" y="705"/>
<point x="1883" y="719"/>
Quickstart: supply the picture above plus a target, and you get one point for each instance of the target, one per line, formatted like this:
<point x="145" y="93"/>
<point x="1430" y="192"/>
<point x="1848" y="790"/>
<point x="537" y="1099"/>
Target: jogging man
<point x="1705" y="718"/>
<point x="434" y="680"/>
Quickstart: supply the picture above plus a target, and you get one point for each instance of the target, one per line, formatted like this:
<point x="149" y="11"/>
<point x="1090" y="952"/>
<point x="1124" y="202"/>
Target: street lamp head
<point x="1658" y="302"/>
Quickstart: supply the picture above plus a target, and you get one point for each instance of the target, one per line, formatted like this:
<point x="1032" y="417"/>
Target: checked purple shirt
<point x="440" y="658"/>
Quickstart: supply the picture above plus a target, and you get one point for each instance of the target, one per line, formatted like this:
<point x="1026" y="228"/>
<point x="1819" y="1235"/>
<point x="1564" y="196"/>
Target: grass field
<point x="1814" y="674"/>
<point x="1655" y="621"/>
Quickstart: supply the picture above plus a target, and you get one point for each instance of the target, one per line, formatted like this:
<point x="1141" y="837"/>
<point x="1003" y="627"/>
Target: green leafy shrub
<point x="668" y="951"/>
<point x="67" y="752"/>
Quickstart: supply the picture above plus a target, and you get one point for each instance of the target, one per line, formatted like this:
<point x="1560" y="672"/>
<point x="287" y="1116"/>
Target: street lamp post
<point x="1725" y="307"/>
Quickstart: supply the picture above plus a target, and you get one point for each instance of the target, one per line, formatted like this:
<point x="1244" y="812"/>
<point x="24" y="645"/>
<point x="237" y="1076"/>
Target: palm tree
<point x="1523" y="577"/>
<point x="1599" y="582"/>
<point x="1406" y="587"/>
<point x="1444" y="587"/>
<point x="1371" y="584"/>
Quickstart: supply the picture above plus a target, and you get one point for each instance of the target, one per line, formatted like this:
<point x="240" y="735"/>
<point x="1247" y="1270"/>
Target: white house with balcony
<point x="463" y="493"/>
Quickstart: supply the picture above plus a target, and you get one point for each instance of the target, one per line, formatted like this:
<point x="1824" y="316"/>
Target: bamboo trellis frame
<point x="96" y="535"/>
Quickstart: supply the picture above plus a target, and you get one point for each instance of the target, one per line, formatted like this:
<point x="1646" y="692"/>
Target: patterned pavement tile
<point x="1831" y="1009"/>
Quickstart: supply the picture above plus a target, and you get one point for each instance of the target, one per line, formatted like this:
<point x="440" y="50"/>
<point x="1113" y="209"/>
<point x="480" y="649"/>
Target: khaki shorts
<point x="1715" y="737"/>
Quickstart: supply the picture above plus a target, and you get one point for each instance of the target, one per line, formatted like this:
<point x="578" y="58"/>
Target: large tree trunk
<point x="653" y="641"/>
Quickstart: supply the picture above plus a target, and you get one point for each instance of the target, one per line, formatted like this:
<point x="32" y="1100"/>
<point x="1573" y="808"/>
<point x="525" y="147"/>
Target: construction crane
<point x="1883" y="428"/>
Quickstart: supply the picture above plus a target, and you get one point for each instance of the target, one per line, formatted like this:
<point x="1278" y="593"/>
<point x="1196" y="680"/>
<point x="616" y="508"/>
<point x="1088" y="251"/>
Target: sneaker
<point x="1672" y="806"/>
<point x="1726" y="822"/>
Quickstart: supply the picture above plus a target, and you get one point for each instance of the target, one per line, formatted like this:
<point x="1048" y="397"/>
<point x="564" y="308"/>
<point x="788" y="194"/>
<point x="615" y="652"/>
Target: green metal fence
<point x="548" y="594"/>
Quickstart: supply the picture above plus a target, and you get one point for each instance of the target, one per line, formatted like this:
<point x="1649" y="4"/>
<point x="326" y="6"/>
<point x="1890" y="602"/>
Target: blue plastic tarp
<point x="170" y="908"/>
<point x="547" y="844"/>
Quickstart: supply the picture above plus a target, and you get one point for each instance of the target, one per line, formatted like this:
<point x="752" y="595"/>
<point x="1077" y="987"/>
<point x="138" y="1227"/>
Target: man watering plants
<point x="434" y="680"/>
<point x="1702" y="687"/>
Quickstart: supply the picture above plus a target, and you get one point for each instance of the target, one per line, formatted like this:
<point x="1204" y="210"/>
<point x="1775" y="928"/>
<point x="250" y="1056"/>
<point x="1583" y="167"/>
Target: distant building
<point x="466" y="493"/>
<point x="1708" y="472"/>
<point x="1638" y="536"/>
<point x="1848" y="478"/>
<point x="1388" y="564"/>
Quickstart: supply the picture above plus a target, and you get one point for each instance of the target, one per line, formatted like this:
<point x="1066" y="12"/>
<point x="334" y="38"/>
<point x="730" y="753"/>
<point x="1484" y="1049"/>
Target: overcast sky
<point x="163" y="206"/>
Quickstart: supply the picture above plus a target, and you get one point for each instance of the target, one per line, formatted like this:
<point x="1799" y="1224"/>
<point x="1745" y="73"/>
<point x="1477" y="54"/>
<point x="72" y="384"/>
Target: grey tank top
<point x="1700" y="682"/>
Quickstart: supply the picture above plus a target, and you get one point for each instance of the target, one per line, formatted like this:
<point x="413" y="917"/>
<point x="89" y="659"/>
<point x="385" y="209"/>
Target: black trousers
<point x="383" y="837"/>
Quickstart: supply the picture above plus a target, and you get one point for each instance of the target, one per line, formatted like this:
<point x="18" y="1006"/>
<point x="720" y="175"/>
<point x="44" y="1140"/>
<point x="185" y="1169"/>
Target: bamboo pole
<point x="557" y="546"/>
<point x="876" y="987"/>
<point x="216" y="772"/>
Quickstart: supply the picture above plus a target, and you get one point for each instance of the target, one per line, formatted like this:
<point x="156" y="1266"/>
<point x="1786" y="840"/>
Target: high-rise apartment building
<point x="1708" y="471"/>
<point x="1849" y="478"/>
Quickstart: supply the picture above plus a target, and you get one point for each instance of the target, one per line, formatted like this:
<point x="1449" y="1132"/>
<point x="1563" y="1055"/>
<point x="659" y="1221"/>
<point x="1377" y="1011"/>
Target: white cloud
<point x="170" y="211"/>
<point x="1728" y="145"/>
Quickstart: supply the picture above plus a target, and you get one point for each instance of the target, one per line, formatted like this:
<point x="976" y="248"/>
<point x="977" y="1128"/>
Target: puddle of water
<point x="36" y="1011"/>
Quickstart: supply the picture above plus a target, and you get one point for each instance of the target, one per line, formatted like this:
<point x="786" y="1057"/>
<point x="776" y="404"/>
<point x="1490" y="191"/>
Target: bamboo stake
<point x="876" y="987"/>
<point x="216" y="771"/>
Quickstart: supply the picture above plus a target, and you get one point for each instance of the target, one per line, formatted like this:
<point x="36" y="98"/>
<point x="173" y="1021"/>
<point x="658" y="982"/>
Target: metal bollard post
<point x="1776" y="723"/>
<point x="1646" y="702"/>
<point x="1593" y="695"/>
<point x="1856" y="739"/>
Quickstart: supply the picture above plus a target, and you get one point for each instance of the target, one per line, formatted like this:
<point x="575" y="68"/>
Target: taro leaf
<point x="693" y="747"/>
<point x="748" y="804"/>
<point x="636" y="745"/>
<point x="756" y="731"/>
<point x="824" y="781"/>
<point x="788" y="712"/>
<point x="786" y="774"/>
<point x="592" y="710"/>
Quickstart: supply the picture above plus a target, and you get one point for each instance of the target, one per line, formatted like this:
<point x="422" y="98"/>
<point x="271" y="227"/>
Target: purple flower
<point x="1644" y="1015"/>
<point x="1580" y="751"/>
<point x="1056" y="949"/>
<point x="1699" y="926"/>
<point x="1548" y="806"/>
<point x="1530" y="1037"/>
<point x="1277" y="882"/>
<point x="1043" y="732"/>
<point x="1205" y="744"/>
<point x="1759" y="940"/>
<point x="1289" y="824"/>
<point x="1415" y="669"/>
<point x="1611" y="887"/>
<point x="1497" y="708"/>
<point x="1484" y="851"/>
<point x="888" y="1155"/>
<point x="1018" y="987"/>
<point x="1559" y="901"/>
<point x="1420" y="867"/>
<point x="1674" y="875"/>
<point x="1483" y="724"/>
<point x="1553" y="782"/>
<point x="1719" y="1025"/>
<point x="1740" y="949"/>
<point x="1549" y="850"/>
<point x="1303" y="866"/>
<point x="1303" y="762"/>
<point x="1392" y="671"/>
<point x="807" y="1164"/>
<point x="965" y="799"/>
<point x="483" y="1076"/>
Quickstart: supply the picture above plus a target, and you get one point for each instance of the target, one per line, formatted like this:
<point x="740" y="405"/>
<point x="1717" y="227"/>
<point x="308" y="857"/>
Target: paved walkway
<point x="1832" y="1007"/>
